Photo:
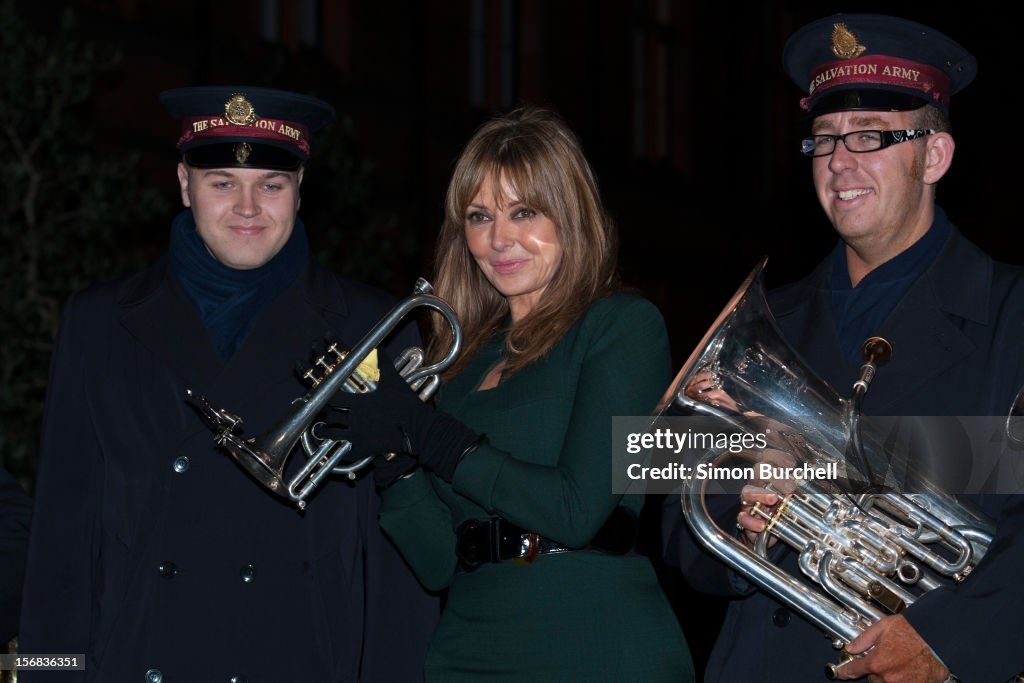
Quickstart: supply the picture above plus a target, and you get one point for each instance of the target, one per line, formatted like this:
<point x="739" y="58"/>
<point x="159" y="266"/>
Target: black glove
<point x="389" y="468"/>
<point x="393" y="419"/>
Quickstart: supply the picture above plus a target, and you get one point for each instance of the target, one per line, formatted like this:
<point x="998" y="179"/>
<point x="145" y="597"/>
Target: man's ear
<point x="938" y="156"/>
<point x="183" y="178"/>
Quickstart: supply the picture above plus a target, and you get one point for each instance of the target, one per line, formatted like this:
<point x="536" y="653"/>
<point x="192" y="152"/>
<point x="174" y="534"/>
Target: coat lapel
<point x="159" y="316"/>
<point x="922" y="327"/>
<point x="292" y="325"/>
<point x="157" y="313"/>
<point x="803" y="312"/>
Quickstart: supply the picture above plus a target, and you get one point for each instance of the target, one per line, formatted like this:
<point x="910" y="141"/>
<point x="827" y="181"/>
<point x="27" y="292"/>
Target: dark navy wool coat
<point x="155" y="554"/>
<point x="956" y="339"/>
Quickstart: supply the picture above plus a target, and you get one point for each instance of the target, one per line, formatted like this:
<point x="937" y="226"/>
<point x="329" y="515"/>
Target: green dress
<point x="581" y="615"/>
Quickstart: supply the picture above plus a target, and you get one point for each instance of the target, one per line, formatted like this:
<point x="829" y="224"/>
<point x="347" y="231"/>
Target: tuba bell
<point x="870" y="541"/>
<point x="266" y="455"/>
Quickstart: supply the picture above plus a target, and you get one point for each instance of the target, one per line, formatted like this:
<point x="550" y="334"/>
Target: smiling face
<point x="243" y="215"/>
<point x="515" y="245"/>
<point x="879" y="202"/>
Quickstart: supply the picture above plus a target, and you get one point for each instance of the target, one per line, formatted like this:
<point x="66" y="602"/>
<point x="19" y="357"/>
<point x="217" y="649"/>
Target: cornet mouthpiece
<point x="877" y="350"/>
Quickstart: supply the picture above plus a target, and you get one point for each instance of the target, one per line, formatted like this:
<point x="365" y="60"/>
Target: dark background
<point x="682" y="107"/>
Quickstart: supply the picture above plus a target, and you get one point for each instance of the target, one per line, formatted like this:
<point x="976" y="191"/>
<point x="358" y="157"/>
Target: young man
<point x="152" y="553"/>
<point x="878" y="96"/>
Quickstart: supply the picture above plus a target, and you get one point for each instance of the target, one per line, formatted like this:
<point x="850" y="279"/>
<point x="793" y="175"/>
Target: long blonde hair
<point x="533" y="152"/>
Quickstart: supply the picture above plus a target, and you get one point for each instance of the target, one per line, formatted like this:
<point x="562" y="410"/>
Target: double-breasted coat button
<point x="780" y="617"/>
<point x="154" y="676"/>
<point x="248" y="573"/>
<point x="181" y="464"/>
<point x="168" y="570"/>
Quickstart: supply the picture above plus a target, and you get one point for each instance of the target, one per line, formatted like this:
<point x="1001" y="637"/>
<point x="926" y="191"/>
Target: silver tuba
<point x="870" y="543"/>
<point x="265" y="456"/>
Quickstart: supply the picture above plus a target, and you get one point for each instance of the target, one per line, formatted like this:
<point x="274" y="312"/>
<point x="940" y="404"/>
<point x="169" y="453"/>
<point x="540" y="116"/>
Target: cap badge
<point x="242" y="152"/>
<point x="844" y="43"/>
<point x="239" y="111"/>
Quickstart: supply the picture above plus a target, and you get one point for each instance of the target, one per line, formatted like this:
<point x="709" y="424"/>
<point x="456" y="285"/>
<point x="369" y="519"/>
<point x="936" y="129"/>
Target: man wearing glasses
<point x="878" y="94"/>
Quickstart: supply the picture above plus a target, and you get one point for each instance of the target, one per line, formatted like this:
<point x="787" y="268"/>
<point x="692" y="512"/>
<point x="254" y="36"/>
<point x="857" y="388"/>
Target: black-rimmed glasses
<point x="859" y="141"/>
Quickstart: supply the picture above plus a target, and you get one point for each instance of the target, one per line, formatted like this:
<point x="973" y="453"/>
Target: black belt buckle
<point x="475" y="544"/>
<point x="520" y="546"/>
<point x="495" y="540"/>
<point x="530" y="543"/>
<point x="515" y="543"/>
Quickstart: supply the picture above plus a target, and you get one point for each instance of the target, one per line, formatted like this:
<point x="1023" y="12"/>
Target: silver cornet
<point x="264" y="456"/>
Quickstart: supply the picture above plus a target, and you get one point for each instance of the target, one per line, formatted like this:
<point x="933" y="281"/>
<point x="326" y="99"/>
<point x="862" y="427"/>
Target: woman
<point x="521" y="525"/>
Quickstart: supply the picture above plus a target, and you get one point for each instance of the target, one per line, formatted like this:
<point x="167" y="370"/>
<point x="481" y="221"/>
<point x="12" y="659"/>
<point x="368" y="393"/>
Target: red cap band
<point x="287" y="132"/>
<point x="880" y="70"/>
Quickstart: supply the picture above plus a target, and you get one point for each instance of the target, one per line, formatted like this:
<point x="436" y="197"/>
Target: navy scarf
<point x="860" y="311"/>
<point x="230" y="301"/>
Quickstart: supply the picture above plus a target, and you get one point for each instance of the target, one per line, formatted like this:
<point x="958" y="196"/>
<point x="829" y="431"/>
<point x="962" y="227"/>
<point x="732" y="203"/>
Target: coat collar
<point x="321" y="291"/>
<point x="958" y="255"/>
<point x="923" y="328"/>
<point x="157" y="313"/>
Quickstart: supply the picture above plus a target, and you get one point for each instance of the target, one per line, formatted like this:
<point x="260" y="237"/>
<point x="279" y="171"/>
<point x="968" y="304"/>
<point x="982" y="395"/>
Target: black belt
<point x="497" y="540"/>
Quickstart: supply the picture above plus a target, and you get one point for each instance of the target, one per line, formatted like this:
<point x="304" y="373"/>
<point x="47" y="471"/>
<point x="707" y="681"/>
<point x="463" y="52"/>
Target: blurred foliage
<point x="66" y="211"/>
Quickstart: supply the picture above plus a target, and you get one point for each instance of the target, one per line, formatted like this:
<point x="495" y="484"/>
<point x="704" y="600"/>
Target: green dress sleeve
<point x="420" y="525"/>
<point x="619" y="360"/>
<point x="625" y="369"/>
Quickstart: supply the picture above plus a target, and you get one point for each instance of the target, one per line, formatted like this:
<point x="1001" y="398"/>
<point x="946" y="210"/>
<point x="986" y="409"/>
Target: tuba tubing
<point x="827" y="614"/>
<point x="265" y="455"/>
<point x="863" y="553"/>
